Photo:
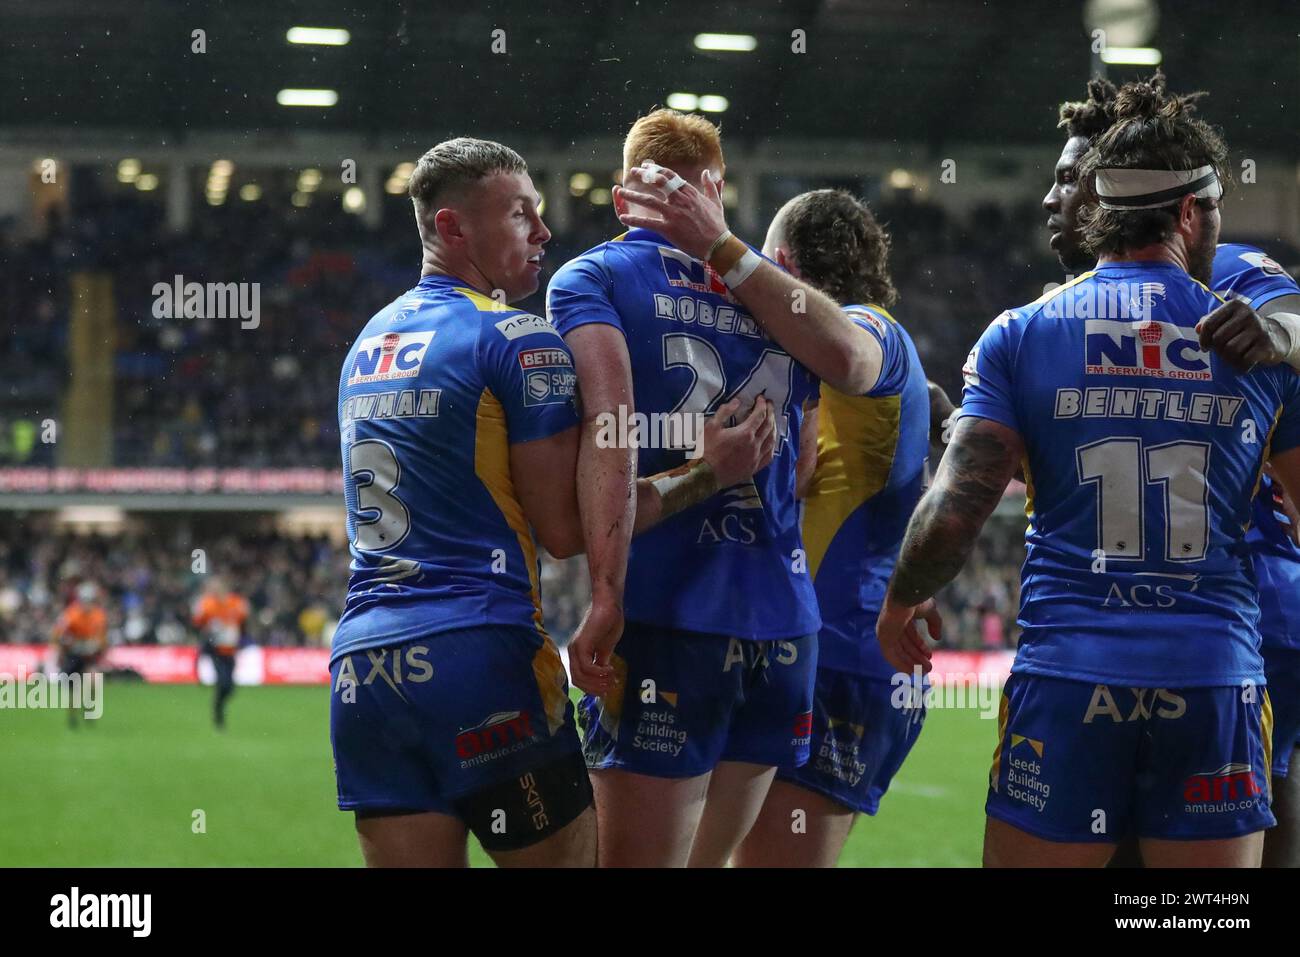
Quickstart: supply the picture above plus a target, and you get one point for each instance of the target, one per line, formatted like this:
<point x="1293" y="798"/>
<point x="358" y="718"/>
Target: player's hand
<point x="736" y="452"/>
<point x="593" y="644"/>
<point x="1237" y="333"/>
<point x="900" y="641"/>
<point x="687" y="218"/>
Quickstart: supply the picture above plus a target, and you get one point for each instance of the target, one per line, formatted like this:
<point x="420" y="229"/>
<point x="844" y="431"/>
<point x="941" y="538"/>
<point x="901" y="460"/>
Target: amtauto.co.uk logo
<point x="1231" y="788"/>
<point x="496" y="734"/>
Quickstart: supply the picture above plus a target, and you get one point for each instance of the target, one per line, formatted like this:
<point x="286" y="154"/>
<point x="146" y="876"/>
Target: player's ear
<point x="446" y="222"/>
<point x="620" y="201"/>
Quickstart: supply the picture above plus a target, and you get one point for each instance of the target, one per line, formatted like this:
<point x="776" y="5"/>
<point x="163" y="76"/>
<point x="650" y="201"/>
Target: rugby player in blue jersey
<point x="449" y="705"/>
<point x="1136" y="702"/>
<point x="1256" y="284"/>
<point x="870" y="470"/>
<point x="711" y="685"/>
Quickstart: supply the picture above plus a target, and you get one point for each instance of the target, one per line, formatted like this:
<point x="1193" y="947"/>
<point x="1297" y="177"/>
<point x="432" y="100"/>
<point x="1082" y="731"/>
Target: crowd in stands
<point x="295" y="585"/>
<point x="148" y="582"/>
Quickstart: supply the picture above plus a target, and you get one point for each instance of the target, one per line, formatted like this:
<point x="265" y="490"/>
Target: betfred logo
<point x="393" y="355"/>
<point x="1160" y="350"/>
<point x="803" y="725"/>
<point x="535" y="358"/>
<point x="497" y="731"/>
<point x="1232" y="782"/>
<point x="683" y="272"/>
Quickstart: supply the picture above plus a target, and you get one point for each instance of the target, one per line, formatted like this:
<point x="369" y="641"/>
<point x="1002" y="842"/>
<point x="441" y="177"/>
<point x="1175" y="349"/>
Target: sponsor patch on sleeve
<point x="970" y="371"/>
<point x="534" y="358"/>
<point x="524" y="324"/>
<point x="549" y="378"/>
<point x="1266" y="264"/>
<point x="875" y="322"/>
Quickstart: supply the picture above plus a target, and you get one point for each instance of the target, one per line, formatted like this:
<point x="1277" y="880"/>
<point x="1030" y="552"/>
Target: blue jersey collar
<point x="1140" y="264"/>
<point x="441" y="279"/>
<point x="637" y="235"/>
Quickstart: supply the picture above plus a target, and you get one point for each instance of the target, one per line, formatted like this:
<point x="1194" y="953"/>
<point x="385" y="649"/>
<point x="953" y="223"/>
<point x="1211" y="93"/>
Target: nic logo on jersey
<point x="393" y="355"/>
<point x="1158" y="349"/>
<point x="683" y="272"/>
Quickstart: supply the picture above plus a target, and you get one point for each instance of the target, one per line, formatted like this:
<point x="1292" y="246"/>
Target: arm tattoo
<point x="974" y="474"/>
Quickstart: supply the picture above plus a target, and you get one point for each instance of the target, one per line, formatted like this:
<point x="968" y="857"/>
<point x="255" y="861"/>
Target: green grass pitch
<point x="123" y="790"/>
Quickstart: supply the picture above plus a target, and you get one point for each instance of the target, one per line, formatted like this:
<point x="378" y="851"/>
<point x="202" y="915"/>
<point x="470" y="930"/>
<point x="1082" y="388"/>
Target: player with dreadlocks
<point x="1136" y="701"/>
<point x="1255" y="282"/>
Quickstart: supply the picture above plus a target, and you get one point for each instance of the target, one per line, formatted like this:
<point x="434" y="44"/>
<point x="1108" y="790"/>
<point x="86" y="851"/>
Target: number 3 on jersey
<point x="1116" y="467"/>
<point x="375" y="473"/>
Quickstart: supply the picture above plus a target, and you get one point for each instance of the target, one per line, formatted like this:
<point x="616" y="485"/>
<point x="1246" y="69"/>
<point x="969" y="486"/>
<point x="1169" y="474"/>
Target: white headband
<point x="1149" y="188"/>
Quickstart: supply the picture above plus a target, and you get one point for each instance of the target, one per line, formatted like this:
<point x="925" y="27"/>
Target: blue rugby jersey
<point x="1143" y="453"/>
<point x="436" y="388"/>
<point x="1250" y="273"/>
<point x="733" y="565"/>
<point x="871" y="471"/>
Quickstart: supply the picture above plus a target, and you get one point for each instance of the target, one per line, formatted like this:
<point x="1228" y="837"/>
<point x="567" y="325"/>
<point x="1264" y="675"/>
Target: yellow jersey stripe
<point x="492" y="466"/>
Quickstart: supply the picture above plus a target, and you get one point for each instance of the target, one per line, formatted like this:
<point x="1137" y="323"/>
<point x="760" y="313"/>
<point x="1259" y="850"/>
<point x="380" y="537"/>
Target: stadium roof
<point x="931" y="72"/>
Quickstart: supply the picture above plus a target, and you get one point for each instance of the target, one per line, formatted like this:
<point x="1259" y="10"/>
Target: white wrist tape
<point x="1289" y="322"/>
<point x="669" y="481"/>
<point x="743" y="269"/>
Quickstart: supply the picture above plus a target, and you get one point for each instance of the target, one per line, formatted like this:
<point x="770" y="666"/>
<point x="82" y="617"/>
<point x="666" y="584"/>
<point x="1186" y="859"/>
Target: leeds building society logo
<point x="393" y="355"/>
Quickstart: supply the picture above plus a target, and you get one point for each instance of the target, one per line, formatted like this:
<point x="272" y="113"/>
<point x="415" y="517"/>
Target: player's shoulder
<point x="1233" y="257"/>
<point x="510" y="328"/>
<point x="597" y="259"/>
<point x="1050" y="303"/>
<point x="877" y="318"/>
<point x="872" y="316"/>
<point x="1238" y="265"/>
<point x="1234" y="250"/>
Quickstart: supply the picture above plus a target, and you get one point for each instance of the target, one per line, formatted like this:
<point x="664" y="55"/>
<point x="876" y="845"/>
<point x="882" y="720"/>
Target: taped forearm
<point x="1287" y="325"/>
<point x="664" y="495"/>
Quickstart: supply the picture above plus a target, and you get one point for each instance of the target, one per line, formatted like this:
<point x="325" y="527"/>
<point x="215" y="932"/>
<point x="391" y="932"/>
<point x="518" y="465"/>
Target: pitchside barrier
<point x="182" y="664"/>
